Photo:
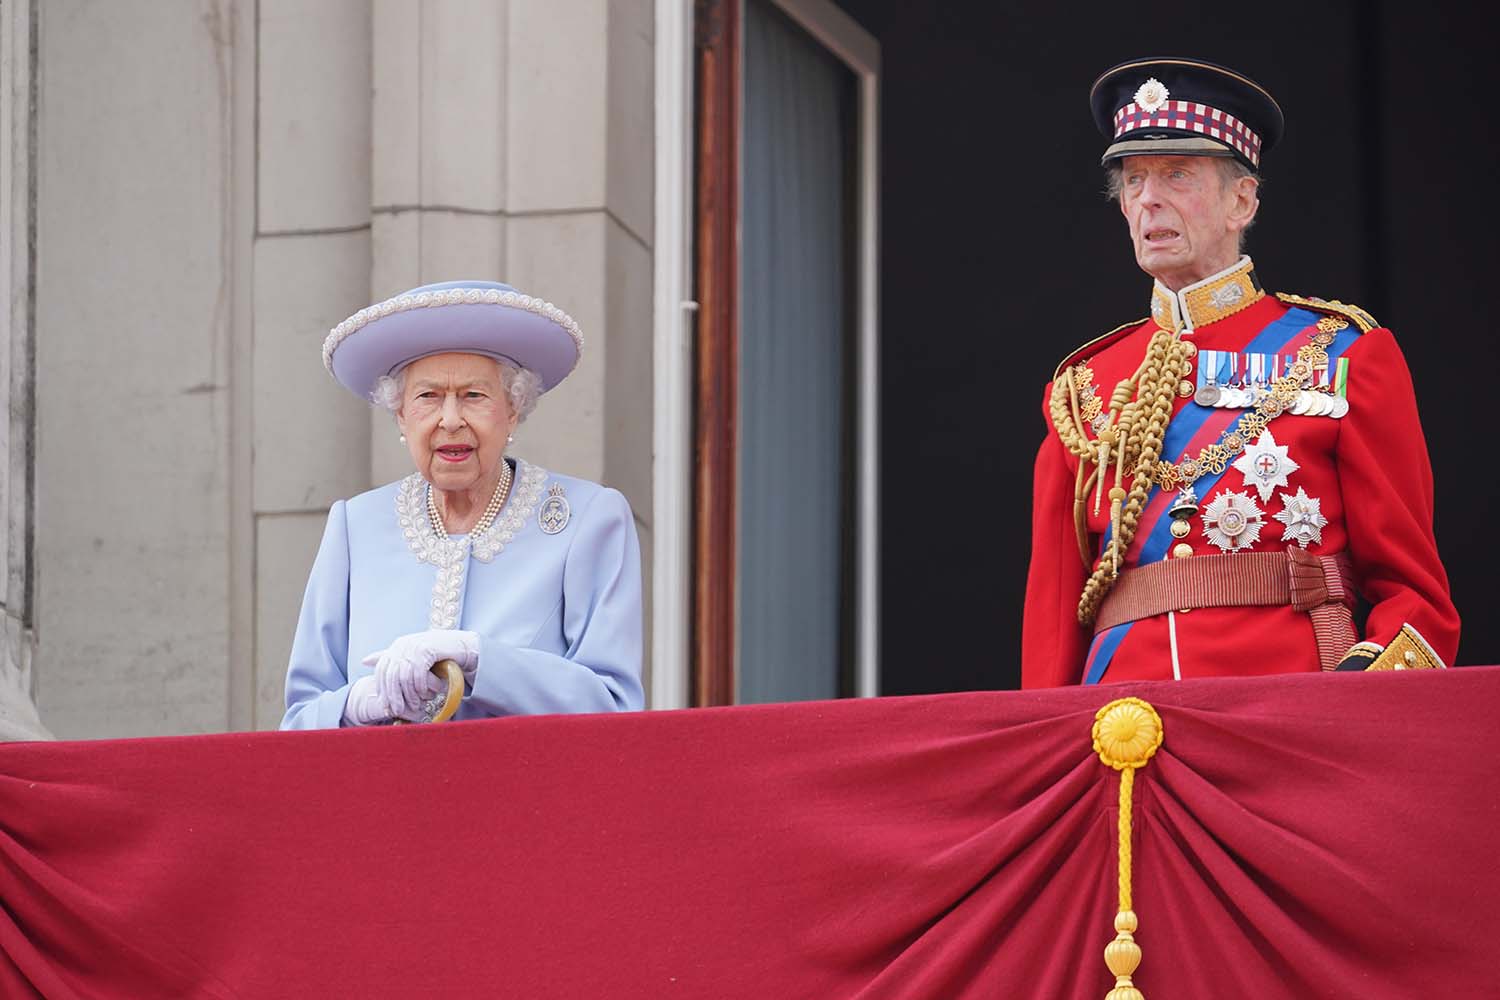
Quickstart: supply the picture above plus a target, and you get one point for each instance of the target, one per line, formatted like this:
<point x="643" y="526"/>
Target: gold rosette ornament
<point x="1127" y="733"/>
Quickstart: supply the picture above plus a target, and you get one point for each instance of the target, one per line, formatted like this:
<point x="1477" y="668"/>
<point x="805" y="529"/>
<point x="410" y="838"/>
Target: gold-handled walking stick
<point x="450" y="671"/>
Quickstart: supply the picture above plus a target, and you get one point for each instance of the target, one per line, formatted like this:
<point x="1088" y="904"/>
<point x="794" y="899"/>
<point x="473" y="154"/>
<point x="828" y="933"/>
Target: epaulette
<point x="1361" y="319"/>
<point x="1098" y="344"/>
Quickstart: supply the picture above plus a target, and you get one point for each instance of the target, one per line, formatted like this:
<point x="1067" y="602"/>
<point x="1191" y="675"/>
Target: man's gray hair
<point x="1230" y="170"/>
<point x="522" y="385"/>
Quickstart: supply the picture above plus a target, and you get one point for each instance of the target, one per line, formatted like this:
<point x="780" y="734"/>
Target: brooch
<point x="555" y="512"/>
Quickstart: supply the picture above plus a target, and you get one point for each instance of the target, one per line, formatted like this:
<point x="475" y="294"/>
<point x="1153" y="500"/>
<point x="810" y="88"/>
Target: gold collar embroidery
<point x="1207" y="301"/>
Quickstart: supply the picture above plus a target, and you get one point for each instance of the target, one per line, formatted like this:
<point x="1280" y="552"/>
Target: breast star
<point x="1265" y="465"/>
<point x="1303" y="517"/>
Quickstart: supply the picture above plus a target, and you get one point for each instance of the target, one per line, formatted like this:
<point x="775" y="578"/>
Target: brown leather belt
<point x="1319" y="585"/>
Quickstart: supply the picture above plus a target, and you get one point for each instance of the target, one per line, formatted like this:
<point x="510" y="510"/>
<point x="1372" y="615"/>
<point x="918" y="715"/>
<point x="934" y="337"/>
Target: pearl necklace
<point x="491" y="509"/>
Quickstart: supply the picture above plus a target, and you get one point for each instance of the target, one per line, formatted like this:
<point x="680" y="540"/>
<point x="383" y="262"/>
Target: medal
<point x="1340" y="379"/>
<point x="1303" y="517"/>
<point x="1185" y="506"/>
<point x="1265" y="464"/>
<point x="1232" y="521"/>
<point x="1208" y="379"/>
<point x="1339" y="407"/>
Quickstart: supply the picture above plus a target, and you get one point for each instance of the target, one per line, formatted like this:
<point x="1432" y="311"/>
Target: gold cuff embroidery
<point x="1407" y="651"/>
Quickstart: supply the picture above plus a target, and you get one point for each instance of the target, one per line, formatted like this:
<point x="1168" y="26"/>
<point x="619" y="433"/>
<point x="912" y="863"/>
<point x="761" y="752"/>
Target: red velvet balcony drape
<point x="1298" y="836"/>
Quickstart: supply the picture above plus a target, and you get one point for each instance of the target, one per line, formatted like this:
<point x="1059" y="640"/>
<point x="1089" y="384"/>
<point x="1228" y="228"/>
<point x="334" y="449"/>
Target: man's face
<point x="1184" y="217"/>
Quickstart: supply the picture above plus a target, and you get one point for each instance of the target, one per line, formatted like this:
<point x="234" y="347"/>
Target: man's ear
<point x="1245" y="192"/>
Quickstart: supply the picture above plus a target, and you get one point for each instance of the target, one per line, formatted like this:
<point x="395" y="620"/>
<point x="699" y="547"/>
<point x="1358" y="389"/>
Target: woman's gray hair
<point x="522" y="385"/>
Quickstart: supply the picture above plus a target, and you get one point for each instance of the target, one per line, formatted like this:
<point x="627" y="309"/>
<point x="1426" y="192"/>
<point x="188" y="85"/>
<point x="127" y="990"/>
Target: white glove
<point x="364" y="706"/>
<point x="403" y="671"/>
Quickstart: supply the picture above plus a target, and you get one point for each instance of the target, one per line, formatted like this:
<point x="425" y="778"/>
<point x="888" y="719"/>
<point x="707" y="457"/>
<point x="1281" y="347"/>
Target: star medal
<point x="555" y="513"/>
<point x="1232" y="521"/>
<point x="1265" y="464"/>
<point x="1303" y="517"/>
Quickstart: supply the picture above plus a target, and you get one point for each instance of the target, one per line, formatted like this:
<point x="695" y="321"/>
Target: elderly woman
<point x="529" y="580"/>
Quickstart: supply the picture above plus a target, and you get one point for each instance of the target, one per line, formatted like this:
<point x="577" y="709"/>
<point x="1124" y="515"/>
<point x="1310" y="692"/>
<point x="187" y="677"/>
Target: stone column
<point x="579" y="187"/>
<point x="18" y="715"/>
<point x="135" y="298"/>
<point x="438" y="159"/>
<point x="513" y="141"/>
<point x="312" y="268"/>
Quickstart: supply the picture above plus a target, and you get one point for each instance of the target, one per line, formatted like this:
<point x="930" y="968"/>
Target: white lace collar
<point x="423" y="539"/>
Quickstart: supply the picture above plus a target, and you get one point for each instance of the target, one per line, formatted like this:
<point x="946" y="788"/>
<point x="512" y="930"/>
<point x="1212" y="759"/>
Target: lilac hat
<point x="470" y="317"/>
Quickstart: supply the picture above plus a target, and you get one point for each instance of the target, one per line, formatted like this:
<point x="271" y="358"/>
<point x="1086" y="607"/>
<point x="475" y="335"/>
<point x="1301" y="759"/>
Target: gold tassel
<point x="1116" y="506"/>
<point x="1127" y="733"/>
<point x="1105" y="437"/>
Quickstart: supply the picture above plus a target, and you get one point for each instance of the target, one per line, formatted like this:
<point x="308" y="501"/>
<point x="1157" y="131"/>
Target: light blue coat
<point x="558" y="611"/>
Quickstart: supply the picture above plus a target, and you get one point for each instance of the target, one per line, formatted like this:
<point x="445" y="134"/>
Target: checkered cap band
<point x="1190" y="116"/>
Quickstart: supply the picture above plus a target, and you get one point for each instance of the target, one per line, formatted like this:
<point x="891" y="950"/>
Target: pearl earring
<point x="510" y="439"/>
<point x="403" y="439"/>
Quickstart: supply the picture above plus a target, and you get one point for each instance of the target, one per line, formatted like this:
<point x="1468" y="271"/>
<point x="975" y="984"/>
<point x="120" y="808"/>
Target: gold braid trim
<point x="1141" y="439"/>
<point x="1332" y="307"/>
<point x="1069" y="426"/>
<point x="1098" y="343"/>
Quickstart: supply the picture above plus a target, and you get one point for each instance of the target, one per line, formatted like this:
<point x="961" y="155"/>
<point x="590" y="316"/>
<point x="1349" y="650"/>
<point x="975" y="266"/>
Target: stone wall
<point x="221" y="181"/>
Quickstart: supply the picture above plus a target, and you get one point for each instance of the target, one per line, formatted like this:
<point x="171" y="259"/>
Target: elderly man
<point x="1223" y="478"/>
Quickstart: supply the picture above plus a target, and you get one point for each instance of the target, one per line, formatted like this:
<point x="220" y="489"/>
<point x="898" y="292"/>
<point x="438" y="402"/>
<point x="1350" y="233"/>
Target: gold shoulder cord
<point x="1129" y="434"/>
<point x="1363" y="320"/>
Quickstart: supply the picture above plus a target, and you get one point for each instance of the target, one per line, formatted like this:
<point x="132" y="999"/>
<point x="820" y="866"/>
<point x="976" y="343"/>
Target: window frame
<point x="699" y="83"/>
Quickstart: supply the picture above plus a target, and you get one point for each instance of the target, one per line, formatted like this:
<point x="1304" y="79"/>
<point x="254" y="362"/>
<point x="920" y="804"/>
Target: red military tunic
<point x="1368" y="472"/>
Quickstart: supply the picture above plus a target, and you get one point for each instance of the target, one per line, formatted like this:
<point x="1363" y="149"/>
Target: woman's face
<point x="456" y="416"/>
